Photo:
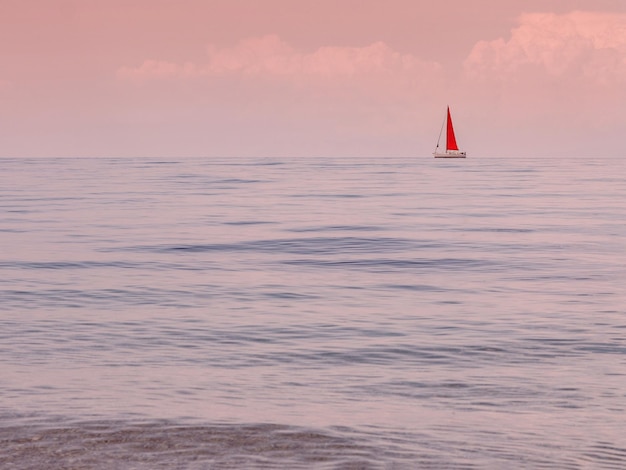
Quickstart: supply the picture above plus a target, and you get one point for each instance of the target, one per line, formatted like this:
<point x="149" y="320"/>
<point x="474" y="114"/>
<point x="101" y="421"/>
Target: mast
<point x="440" y="132"/>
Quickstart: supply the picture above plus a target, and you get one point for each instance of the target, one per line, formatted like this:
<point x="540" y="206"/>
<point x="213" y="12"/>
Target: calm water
<point x="313" y="313"/>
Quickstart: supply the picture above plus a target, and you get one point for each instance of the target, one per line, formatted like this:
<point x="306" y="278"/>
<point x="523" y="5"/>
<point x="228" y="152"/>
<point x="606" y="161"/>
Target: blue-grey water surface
<point x="331" y="313"/>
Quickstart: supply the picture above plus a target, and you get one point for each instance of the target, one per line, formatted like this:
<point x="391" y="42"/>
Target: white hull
<point x="450" y="154"/>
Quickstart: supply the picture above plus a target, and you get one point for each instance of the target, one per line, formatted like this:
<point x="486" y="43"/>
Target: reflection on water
<point x="161" y="445"/>
<point x="105" y="445"/>
<point x="315" y="313"/>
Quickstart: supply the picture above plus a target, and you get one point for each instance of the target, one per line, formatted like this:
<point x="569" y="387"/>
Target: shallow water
<point x="313" y="313"/>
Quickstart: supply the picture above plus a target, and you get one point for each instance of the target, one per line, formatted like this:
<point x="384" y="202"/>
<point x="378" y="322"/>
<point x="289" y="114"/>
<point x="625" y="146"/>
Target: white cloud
<point x="272" y="58"/>
<point x="578" y="45"/>
<point x="269" y="55"/>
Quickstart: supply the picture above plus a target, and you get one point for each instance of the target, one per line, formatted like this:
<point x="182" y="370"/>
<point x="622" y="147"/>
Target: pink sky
<point x="311" y="77"/>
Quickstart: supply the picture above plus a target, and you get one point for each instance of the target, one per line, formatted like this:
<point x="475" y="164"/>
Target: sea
<point x="313" y="313"/>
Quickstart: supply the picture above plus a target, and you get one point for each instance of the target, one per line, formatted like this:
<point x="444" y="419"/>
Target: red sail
<point x="450" y="140"/>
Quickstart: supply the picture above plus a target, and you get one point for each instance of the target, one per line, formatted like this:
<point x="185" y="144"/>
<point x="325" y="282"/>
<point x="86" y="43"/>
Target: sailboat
<point x="452" y="149"/>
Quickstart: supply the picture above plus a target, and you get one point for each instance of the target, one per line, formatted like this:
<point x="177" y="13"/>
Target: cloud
<point x="579" y="45"/>
<point x="269" y="57"/>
